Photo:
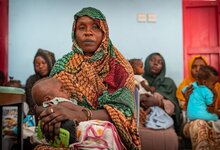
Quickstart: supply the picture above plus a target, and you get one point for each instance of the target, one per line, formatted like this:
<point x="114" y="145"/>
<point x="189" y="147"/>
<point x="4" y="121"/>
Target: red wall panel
<point x="4" y="36"/>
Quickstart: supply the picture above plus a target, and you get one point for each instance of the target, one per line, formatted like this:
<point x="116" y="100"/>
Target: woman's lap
<point x="158" y="139"/>
<point x="202" y="135"/>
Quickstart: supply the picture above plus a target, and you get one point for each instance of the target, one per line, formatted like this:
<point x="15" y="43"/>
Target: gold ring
<point x="51" y="110"/>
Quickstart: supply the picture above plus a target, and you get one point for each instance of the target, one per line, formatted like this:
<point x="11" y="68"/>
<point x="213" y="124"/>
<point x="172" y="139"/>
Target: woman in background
<point x="164" y="97"/>
<point x="194" y="65"/>
<point x="43" y="63"/>
<point x="202" y="133"/>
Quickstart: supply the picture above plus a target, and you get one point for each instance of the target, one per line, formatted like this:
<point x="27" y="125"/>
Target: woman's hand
<point x="38" y="110"/>
<point x="52" y="117"/>
<point x="187" y="92"/>
<point x="147" y="101"/>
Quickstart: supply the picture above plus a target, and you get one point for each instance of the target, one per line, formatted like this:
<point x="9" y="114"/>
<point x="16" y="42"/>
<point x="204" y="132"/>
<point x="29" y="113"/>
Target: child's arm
<point x="147" y="87"/>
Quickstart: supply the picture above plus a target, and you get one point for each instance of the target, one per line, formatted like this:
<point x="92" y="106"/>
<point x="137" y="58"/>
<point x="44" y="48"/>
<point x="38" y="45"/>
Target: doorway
<point x="201" y="31"/>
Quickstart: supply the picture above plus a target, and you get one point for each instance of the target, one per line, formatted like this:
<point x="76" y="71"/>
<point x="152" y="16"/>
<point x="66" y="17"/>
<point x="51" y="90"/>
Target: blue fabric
<point x="29" y="120"/>
<point x="200" y="98"/>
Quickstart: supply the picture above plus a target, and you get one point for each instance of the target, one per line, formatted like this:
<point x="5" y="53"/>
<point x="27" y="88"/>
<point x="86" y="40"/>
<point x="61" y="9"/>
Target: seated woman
<point x="164" y="97"/>
<point x="43" y="63"/>
<point x="198" y="131"/>
<point x="98" y="77"/>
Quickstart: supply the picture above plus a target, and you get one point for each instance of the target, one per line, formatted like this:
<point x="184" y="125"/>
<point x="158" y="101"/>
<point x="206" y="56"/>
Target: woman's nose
<point x="88" y="32"/>
<point x="41" y="66"/>
<point x="156" y="63"/>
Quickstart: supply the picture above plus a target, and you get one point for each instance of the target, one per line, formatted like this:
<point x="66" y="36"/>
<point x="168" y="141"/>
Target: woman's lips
<point x="154" y="69"/>
<point x="88" y="41"/>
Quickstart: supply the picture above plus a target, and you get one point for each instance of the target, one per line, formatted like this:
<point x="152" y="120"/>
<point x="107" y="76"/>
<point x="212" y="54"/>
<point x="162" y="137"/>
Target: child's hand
<point x="137" y="86"/>
<point x="187" y="92"/>
<point x="38" y="110"/>
<point x="152" y="89"/>
<point x="210" y="109"/>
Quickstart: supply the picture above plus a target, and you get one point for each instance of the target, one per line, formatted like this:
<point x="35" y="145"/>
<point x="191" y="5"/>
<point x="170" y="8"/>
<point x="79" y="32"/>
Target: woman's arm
<point x="147" y="101"/>
<point x="52" y="117"/>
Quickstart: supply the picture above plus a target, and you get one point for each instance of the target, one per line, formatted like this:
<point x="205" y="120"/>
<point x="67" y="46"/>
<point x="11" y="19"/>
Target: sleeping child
<point x="50" y="91"/>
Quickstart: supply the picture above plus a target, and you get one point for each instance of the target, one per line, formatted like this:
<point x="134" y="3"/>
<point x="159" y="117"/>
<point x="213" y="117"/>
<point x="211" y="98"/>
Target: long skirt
<point x="203" y="135"/>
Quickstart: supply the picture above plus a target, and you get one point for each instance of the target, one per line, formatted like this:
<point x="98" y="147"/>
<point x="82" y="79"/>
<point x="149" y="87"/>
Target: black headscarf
<point x="47" y="56"/>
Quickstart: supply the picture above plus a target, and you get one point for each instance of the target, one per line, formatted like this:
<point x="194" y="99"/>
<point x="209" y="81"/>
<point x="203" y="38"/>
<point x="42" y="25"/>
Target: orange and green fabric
<point x="103" y="81"/>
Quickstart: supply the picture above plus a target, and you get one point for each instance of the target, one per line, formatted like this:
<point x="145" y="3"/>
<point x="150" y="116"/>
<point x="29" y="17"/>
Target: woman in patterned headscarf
<point x="43" y="63"/>
<point x="98" y="77"/>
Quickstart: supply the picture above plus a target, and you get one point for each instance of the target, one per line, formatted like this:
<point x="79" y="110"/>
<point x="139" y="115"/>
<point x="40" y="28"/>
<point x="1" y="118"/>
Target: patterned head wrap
<point x="102" y="81"/>
<point x="48" y="56"/>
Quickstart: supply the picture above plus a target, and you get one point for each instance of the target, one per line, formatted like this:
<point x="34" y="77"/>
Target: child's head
<point x="47" y="89"/>
<point x="207" y="76"/>
<point x="137" y="66"/>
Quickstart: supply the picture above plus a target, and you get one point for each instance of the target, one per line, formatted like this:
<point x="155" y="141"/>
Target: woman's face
<point x="196" y="65"/>
<point x="156" y="64"/>
<point x="41" y="66"/>
<point x="88" y="35"/>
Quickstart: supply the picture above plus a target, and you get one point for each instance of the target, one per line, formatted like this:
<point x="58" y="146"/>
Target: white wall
<point x="47" y="24"/>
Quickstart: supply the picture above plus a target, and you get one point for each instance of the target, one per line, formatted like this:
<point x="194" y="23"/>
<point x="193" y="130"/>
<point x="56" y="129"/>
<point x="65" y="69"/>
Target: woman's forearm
<point x="168" y="106"/>
<point x="100" y="115"/>
<point x="95" y="114"/>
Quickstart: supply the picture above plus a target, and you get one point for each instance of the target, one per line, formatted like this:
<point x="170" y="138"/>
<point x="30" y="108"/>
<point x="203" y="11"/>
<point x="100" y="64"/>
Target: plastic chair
<point x="10" y="96"/>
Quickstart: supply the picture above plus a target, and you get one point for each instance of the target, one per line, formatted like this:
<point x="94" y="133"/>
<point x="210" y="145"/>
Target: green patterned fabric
<point x="91" y="12"/>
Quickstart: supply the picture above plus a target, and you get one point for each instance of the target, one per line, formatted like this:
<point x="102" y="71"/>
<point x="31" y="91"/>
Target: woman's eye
<point x="160" y="62"/>
<point x="81" y="27"/>
<point x="95" y="26"/>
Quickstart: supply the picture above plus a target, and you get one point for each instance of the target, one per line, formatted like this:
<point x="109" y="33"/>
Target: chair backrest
<point x="137" y="104"/>
<point x="11" y="95"/>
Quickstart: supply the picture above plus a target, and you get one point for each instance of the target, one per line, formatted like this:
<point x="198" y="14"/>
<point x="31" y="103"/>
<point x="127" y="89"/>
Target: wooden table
<point x="12" y="99"/>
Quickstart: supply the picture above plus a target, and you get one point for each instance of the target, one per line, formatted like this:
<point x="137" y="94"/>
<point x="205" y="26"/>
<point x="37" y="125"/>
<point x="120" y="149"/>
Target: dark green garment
<point x="163" y="85"/>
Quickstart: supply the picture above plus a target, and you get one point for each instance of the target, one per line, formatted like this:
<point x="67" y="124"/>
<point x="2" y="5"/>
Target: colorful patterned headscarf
<point x="102" y="81"/>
